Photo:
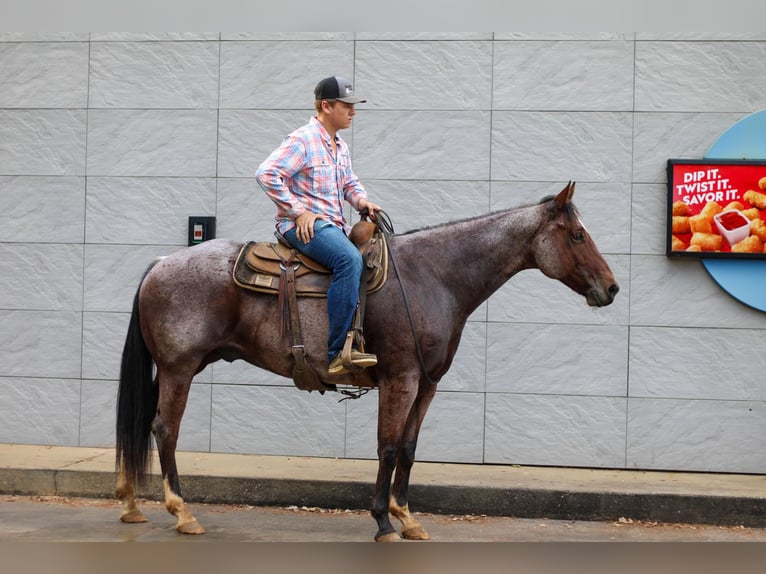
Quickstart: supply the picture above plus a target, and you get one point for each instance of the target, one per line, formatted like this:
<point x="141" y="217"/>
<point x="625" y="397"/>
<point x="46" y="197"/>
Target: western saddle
<point x="281" y="270"/>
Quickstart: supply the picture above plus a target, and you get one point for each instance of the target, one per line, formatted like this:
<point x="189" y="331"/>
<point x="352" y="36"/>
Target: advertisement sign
<point x="716" y="208"/>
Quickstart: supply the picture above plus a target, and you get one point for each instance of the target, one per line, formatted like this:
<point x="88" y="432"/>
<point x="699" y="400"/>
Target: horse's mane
<point x="571" y="212"/>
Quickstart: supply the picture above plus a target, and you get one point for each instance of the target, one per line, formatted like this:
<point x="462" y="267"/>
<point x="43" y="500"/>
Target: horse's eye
<point x="578" y="236"/>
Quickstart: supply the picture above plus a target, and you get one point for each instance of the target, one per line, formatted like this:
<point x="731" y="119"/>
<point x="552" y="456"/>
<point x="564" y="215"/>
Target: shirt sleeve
<point x="279" y="168"/>
<point x="353" y="190"/>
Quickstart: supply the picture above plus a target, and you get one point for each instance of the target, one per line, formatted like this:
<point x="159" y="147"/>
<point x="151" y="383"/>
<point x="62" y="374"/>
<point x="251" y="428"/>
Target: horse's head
<point x="564" y="250"/>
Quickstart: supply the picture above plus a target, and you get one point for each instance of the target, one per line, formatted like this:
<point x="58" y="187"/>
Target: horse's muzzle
<point x="599" y="297"/>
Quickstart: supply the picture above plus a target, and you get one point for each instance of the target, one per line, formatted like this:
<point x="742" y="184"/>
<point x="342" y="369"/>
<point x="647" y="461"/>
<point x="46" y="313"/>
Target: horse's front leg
<point x="395" y="399"/>
<point x="412" y="529"/>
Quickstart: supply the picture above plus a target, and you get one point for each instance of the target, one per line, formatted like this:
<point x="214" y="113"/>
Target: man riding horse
<point x="308" y="177"/>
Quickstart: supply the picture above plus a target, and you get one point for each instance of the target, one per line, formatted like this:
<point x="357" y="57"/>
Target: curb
<point x="449" y="499"/>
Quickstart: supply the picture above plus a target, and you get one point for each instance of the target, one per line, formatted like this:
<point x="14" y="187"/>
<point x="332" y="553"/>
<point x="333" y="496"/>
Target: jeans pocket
<point x="320" y="224"/>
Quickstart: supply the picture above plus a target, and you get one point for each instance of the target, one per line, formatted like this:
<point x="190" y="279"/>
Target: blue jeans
<point x="330" y="247"/>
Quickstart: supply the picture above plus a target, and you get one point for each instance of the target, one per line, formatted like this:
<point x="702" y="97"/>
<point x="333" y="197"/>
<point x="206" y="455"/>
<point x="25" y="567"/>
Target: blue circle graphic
<point x="745" y="280"/>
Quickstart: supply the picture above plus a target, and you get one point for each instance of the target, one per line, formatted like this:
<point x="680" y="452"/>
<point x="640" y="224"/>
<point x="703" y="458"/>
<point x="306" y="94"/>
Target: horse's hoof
<point x="192" y="527"/>
<point x="390" y="537"/>
<point x="133" y="517"/>
<point x="416" y="533"/>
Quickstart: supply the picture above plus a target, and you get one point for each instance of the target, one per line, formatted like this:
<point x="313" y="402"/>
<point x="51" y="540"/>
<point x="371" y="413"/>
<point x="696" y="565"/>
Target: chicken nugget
<point x="751" y="213"/>
<point x="755" y="198"/>
<point x="701" y="223"/>
<point x="707" y="241"/>
<point x="680" y="208"/>
<point x="750" y="244"/>
<point x="677" y="244"/>
<point x="758" y="228"/>
<point x="711" y="208"/>
<point x="681" y="224"/>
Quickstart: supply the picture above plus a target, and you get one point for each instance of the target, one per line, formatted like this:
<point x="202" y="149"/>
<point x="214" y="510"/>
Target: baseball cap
<point x="337" y="88"/>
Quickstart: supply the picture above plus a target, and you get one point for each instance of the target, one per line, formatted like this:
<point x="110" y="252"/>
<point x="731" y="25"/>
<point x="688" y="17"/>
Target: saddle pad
<point x="258" y="268"/>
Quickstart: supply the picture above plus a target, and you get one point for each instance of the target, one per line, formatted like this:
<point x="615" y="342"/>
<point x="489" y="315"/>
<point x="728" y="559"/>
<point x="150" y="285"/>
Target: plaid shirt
<point x="302" y="174"/>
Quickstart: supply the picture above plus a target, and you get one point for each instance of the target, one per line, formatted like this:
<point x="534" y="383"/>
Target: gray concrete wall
<point x="108" y="142"/>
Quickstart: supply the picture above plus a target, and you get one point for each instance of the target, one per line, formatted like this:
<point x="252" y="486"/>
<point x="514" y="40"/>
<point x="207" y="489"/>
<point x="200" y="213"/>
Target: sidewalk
<point x="524" y="492"/>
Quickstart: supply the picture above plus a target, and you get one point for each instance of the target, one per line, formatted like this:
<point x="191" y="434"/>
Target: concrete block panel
<point x="362" y="424"/>
<point x="424" y="75"/>
<point x="702" y="364"/>
<point x="556" y="146"/>
<point x="153" y="75"/>
<point x="29" y="336"/>
<point x="700" y="36"/>
<point x="243" y="421"/>
<point x="42" y="142"/>
<point x="680" y="293"/>
<point x="280" y="75"/>
<point x="449" y="145"/>
<point x="423" y="36"/>
<point x="696" y="435"/>
<point x="42" y="209"/>
<point x="452" y="430"/>
<point x="661" y="136"/>
<point x="41" y="276"/>
<point x="700" y="76"/>
<point x="113" y="273"/>
<point x="287" y="36"/>
<point x="44" y="36"/>
<point x="247" y="137"/>
<point x="98" y="415"/>
<point x="39" y="411"/>
<point x="562" y="75"/>
<point x="174" y="143"/>
<point x="195" y="426"/>
<point x="557" y="359"/>
<point x="555" y="430"/>
<point x="44" y="75"/>
<point x="414" y="205"/>
<point x="103" y="337"/>
<point x="576" y="36"/>
<point x="153" y="36"/>
<point x="245" y="212"/>
<point x="649" y="220"/>
<point x="468" y="370"/>
<point x="243" y="373"/>
<point x="146" y="210"/>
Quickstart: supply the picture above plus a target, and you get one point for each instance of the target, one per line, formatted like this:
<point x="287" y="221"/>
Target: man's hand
<point x="369" y="206"/>
<point x="304" y="225"/>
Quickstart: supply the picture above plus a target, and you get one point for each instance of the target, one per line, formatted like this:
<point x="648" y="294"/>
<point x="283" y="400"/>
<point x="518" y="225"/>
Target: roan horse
<point x="188" y="313"/>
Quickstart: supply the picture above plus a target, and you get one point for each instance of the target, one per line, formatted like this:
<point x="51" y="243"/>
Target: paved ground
<point x="61" y="519"/>
<point x="524" y="501"/>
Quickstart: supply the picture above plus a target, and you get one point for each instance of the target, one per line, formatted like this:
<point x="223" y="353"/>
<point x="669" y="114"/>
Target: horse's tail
<point x="137" y="398"/>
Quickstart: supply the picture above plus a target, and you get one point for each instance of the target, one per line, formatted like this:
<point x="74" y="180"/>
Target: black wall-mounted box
<point x="201" y="228"/>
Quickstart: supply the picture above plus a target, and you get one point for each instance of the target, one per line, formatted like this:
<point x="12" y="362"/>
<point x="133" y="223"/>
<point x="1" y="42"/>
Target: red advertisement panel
<point x="716" y="208"/>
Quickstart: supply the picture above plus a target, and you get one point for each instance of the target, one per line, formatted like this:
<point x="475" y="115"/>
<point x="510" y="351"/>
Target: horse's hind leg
<point x="412" y="529"/>
<point x="174" y="390"/>
<point x="126" y="492"/>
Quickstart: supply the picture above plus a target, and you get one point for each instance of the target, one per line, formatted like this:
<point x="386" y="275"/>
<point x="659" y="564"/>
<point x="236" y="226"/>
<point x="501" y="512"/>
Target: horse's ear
<point x="565" y="195"/>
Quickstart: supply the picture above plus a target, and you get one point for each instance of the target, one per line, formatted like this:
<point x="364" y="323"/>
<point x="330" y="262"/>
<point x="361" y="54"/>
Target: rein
<point x="383" y="222"/>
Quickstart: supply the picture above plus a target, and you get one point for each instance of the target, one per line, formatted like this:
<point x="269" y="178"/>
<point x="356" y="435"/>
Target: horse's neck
<point x="475" y="257"/>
